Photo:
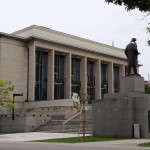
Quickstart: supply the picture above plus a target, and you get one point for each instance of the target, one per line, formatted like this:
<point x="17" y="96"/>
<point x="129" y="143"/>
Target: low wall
<point x="20" y="124"/>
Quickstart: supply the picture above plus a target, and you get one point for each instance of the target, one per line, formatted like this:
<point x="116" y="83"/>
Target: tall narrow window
<point x="90" y="80"/>
<point x="76" y="84"/>
<point x="59" y="77"/>
<point x="41" y="75"/>
<point x="149" y="120"/>
<point x="104" y="79"/>
<point x="116" y="79"/>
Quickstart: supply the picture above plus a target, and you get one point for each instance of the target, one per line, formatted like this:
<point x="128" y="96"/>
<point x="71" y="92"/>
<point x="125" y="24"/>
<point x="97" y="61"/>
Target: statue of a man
<point x="132" y="54"/>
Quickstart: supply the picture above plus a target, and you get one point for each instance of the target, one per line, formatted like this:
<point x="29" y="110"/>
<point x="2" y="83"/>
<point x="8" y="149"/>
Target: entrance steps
<point x="72" y="125"/>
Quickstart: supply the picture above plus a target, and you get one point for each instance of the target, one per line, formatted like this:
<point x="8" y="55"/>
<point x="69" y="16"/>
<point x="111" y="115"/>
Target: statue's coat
<point x="132" y="53"/>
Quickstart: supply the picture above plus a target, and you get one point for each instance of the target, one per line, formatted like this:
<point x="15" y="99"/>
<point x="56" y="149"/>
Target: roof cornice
<point x="88" y="50"/>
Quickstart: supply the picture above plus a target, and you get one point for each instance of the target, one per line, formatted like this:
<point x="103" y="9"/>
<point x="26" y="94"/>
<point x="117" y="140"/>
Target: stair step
<point x="73" y="126"/>
<point x="61" y="128"/>
<point x="67" y="131"/>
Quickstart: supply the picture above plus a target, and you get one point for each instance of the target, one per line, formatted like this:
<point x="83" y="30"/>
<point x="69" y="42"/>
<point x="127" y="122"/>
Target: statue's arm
<point x="136" y="50"/>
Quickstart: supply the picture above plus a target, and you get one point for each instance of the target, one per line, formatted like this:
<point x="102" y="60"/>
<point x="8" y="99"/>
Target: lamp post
<point x="13" y="109"/>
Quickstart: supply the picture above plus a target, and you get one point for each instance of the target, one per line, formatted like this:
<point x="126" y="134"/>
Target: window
<point x="149" y="120"/>
<point x="116" y="79"/>
<point x="41" y="75"/>
<point x="104" y="79"/>
<point x="76" y="84"/>
<point x="59" y="77"/>
<point x="90" y="80"/>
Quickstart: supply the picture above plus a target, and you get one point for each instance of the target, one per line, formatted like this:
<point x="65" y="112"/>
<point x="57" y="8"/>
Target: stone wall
<point x="115" y="116"/>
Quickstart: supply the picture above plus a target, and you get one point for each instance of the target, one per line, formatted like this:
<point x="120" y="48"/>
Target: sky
<point x="90" y="19"/>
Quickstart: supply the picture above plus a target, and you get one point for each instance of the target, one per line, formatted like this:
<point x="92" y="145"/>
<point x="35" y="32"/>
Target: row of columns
<point x="83" y="72"/>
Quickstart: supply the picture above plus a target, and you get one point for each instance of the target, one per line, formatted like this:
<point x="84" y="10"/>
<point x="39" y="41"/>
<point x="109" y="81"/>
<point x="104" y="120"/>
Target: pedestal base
<point x="133" y="83"/>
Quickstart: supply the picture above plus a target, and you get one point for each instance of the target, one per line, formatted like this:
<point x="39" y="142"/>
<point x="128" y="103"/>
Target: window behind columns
<point x="104" y="79"/>
<point x="90" y="80"/>
<point x="149" y="120"/>
<point x="59" y="77"/>
<point x="116" y="79"/>
<point x="41" y="75"/>
<point x="76" y="83"/>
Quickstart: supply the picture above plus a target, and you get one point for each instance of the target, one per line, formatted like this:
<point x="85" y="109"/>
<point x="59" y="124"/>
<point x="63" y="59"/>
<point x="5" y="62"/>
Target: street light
<point x="13" y="109"/>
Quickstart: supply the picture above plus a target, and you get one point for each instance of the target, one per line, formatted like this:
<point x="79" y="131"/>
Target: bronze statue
<point x="132" y="55"/>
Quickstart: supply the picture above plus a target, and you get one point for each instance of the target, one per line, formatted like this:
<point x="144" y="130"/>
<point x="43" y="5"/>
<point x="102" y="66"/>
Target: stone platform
<point x="116" y="114"/>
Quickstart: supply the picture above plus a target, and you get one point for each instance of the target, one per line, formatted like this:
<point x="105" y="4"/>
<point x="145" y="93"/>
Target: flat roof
<point x="67" y="39"/>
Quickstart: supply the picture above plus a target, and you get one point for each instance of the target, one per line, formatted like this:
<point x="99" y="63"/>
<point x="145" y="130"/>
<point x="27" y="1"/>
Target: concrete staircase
<point x="72" y="125"/>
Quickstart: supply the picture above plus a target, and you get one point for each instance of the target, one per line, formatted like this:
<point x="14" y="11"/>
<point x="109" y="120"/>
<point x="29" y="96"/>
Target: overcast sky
<point x="90" y="19"/>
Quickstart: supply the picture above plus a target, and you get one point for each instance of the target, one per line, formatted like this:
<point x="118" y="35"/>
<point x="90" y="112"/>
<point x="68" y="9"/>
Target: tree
<point x="6" y="88"/>
<point x="147" y="88"/>
<point x="148" y="31"/>
<point x="79" y="104"/>
<point x="142" y="5"/>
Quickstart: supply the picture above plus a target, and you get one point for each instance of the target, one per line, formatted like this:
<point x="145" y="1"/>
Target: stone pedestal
<point x="133" y="83"/>
<point x="123" y="114"/>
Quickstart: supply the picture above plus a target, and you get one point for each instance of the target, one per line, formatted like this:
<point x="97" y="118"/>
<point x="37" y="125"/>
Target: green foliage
<point x="6" y="88"/>
<point x="81" y="139"/>
<point x="144" y="144"/>
<point x="148" y="31"/>
<point x="142" y="5"/>
<point x="80" y="101"/>
<point x="79" y="105"/>
<point x="147" y="88"/>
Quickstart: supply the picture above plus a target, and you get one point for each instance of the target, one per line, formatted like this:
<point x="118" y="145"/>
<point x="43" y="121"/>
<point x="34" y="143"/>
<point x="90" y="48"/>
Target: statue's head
<point x="133" y="39"/>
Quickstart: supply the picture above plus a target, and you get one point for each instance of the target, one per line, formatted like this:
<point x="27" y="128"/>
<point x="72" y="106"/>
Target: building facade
<point x="48" y="66"/>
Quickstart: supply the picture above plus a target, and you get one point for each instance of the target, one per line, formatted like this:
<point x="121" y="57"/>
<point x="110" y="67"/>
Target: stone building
<point x="47" y="66"/>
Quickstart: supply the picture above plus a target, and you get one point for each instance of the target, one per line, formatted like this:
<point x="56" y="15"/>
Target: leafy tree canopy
<point x="5" y="88"/>
<point x="148" y="31"/>
<point x="142" y="5"/>
<point x="147" y="88"/>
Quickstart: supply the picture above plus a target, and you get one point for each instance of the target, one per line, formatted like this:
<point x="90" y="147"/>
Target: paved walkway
<point x="29" y="136"/>
<point x="19" y="139"/>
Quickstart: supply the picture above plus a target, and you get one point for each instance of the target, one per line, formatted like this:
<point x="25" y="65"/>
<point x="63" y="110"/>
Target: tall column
<point x="51" y="55"/>
<point x="31" y="86"/>
<point x="97" y="79"/>
<point x="83" y="71"/>
<point x="68" y="76"/>
<point x="121" y="77"/>
<point x="110" y="78"/>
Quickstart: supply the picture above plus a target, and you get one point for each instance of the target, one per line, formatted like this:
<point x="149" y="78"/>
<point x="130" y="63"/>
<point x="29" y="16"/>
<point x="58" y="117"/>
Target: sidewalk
<point x="29" y="136"/>
<point x="23" y="137"/>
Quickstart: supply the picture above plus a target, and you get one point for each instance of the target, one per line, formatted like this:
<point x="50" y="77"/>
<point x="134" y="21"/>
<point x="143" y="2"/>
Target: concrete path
<point x="29" y="136"/>
<point x="17" y="141"/>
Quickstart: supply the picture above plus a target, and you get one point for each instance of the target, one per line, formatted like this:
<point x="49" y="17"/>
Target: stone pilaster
<point x="31" y="86"/>
<point x="83" y="71"/>
<point x="121" y="77"/>
<point x="68" y="76"/>
<point x="50" y="88"/>
<point x="110" y="78"/>
<point x="97" y="79"/>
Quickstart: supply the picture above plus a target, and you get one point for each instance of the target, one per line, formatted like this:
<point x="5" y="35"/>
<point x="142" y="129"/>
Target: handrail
<point x="71" y="118"/>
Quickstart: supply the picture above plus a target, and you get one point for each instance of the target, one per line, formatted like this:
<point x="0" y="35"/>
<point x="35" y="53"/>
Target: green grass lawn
<point x="6" y="133"/>
<point x="145" y="144"/>
<point x="3" y="133"/>
<point x="80" y="139"/>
